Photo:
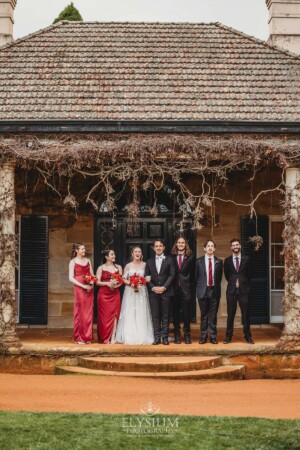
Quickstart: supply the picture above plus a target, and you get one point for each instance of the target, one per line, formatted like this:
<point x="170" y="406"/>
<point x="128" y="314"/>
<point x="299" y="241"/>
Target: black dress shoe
<point x="177" y="339"/>
<point x="156" y="342"/>
<point x="213" y="341"/>
<point x="249" y="340"/>
<point x="187" y="338"/>
<point x="227" y="340"/>
<point x="202" y="341"/>
<point x="165" y="341"/>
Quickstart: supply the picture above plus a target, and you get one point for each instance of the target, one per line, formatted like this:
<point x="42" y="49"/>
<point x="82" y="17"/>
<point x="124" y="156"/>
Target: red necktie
<point x="210" y="276"/>
<point x="180" y="261"/>
<point x="237" y="267"/>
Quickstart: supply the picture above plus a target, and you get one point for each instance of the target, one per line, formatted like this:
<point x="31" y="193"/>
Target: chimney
<point x="284" y="24"/>
<point x="6" y="21"/>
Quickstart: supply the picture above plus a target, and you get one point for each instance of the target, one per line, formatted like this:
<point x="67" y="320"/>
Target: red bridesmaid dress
<point x="83" y="306"/>
<point x="109" y="306"/>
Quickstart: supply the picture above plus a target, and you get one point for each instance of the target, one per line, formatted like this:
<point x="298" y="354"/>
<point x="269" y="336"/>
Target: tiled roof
<point x="147" y="71"/>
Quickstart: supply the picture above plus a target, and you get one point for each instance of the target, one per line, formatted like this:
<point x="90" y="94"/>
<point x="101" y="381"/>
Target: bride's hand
<point x="148" y="278"/>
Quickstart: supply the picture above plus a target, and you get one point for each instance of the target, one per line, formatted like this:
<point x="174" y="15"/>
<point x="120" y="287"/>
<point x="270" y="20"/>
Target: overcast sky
<point x="249" y="16"/>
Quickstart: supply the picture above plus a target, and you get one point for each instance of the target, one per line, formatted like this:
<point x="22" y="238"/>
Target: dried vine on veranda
<point x="147" y="162"/>
<point x="291" y="301"/>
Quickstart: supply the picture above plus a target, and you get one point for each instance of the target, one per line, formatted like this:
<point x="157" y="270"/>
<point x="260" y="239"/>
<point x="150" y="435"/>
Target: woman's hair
<point x="132" y="250"/>
<point x="75" y="249"/>
<point x="187" y="250"/>
<point x="105" y="254"/>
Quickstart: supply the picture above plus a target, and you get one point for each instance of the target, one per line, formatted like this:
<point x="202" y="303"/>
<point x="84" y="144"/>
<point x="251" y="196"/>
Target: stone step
<point x="151" y="364"/>
<point x="233" y="372"/>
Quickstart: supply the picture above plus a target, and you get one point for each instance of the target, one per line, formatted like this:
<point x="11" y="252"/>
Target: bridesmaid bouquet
<point x="89" y="279"/>
<point x="136" y="281"/>
<point x="116" y="278"/>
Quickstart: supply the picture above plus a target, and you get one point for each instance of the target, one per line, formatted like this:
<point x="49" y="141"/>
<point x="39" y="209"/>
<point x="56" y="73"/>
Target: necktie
<point x="158" y="263"/>
<point x="180" y="261"/>
<point x="210" y="276"/>
<point x="237" y="267"/>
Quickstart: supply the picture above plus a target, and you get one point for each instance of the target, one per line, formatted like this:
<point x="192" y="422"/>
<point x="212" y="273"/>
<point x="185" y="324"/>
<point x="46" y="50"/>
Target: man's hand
<point x="159" y="290"/>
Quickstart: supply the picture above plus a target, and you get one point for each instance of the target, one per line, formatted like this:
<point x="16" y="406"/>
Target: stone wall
<point x="60" y="312"/>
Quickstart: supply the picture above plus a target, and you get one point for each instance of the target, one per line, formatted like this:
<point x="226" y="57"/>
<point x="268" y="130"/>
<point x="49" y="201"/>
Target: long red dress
<point x="109" y="306"/>
<point x="83" y="306"/>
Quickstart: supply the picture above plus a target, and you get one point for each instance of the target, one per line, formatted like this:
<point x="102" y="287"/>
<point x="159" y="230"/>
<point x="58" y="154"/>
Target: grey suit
<point x="208" y="298"/>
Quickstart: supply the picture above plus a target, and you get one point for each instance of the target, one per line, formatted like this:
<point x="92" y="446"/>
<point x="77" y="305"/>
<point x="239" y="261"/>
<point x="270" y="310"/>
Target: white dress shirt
<point x="158" y="262"/>
<point x="234" y="260"/>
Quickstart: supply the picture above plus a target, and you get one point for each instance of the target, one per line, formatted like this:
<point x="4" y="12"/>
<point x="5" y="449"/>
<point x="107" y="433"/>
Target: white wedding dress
<point x="135" y="323"/>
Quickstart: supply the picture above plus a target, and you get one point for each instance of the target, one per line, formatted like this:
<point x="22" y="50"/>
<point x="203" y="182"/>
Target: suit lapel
<point x="154" y="264"/>
<point x="162" y="265"/>
<point x="204" y="265"/>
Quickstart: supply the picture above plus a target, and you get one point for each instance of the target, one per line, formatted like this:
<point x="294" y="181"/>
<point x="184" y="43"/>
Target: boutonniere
<point x="216" y="262"/>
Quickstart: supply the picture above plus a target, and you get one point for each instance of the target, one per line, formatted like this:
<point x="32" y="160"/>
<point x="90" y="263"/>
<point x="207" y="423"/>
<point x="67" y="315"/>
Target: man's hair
<point x="235" y="240"/>
<point x="188" y="250"/>
<point x="159" y="240"/>
<point x="209" y="240"/>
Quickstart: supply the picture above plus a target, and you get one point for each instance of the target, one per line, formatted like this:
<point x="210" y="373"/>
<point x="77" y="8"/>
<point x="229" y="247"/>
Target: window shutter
<point x="34" y="270"/>
<point x="259" y="260"/>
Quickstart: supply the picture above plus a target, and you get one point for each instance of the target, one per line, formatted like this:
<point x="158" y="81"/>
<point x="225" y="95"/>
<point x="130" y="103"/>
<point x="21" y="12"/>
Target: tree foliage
<point x="69" y="13"/>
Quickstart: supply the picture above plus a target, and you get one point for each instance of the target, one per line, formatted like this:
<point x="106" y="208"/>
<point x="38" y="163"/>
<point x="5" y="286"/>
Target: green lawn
<point x="56" y="431"/>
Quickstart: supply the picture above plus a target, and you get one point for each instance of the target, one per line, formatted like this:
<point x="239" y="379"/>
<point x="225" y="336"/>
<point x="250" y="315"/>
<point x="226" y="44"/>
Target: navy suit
<point x="208" y="297"/>
<point x="159" y="303"/>
<point x="182" y="292"/>
<point x="238" y="294"/>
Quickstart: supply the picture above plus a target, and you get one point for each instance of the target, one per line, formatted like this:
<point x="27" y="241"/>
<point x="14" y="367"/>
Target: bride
<point x="135" y="323"/>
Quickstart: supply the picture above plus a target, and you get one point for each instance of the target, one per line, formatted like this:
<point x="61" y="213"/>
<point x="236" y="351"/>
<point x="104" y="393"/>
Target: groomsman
<point x="161" y="269"/>
<point x="238" y="273"/>
<point x="185" y="266"/>
<point x="208" y="277"/>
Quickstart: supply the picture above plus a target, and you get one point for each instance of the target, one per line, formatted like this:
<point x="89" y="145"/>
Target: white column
<point x="8" y="337"/>
<point x="291" y="332"/>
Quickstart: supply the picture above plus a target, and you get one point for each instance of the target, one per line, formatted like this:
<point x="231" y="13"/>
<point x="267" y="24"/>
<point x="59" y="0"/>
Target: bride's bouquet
<point x="136" y="281"/>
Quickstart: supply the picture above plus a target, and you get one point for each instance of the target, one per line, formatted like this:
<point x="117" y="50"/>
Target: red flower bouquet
<point x="136" y="281"/>
<point x="116" y="278"/>
<point x="89" y="279"/>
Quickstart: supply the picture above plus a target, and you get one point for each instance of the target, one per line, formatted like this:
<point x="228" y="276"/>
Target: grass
<point x="57" y="431"/>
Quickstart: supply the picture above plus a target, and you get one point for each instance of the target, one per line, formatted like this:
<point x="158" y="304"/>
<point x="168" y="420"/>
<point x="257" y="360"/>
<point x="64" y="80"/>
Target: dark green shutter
<point x="259" y="260"/>
<point x="34" y="270"/>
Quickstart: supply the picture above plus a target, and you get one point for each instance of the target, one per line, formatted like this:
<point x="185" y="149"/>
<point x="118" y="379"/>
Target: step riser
<point x="149" y="367"/>
<point x="235" y="374"/>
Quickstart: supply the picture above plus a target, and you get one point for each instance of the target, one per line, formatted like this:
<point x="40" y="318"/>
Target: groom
<point x="161" y="269"/>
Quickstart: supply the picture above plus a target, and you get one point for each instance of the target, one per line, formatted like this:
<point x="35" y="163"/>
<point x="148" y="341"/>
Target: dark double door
<point x="148" y="229"/>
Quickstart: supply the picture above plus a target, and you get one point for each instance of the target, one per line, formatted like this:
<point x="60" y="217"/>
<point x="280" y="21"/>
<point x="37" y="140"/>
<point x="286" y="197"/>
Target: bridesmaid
<point x="109" y="300"/>
<point x="79" y="267"/>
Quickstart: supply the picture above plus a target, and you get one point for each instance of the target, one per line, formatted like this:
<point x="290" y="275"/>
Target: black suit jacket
<point x="243" y="275"/>
<point x="166" y="276"/>
<point x="185" y="275"/>
<point x="201" y="277"/>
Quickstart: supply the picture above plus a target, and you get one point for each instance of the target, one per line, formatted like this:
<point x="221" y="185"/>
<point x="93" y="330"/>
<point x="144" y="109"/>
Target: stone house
<point x="76" y="86"/>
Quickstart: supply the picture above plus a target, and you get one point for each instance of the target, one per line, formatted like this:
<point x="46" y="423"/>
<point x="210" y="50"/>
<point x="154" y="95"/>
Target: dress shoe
<point x="249" y="340"/>
<point x="187" y="338"/>
<point x="213" y="341"/>
<point x="156" y="342"/>
<point x="227" y="340"/>
<point x="177" y="339"/>
<point x="165" y="341"/>
<point x="202" y="341"/>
